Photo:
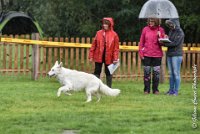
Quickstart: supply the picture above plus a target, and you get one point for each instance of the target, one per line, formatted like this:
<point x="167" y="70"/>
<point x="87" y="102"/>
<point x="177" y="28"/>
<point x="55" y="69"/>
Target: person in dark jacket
<point x="174" y="54"/>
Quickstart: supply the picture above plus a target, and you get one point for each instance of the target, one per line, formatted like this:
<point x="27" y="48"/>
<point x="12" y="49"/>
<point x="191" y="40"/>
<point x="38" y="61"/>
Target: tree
<point x="82" y="18"/>
<point x="189" y="18"/>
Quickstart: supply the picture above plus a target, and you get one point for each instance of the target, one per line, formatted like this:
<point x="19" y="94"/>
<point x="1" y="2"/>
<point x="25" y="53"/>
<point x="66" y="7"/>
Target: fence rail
<point x="18" y="58"/>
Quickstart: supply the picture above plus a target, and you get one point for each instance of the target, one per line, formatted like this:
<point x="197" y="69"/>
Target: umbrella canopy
<point x="158" y="9"/>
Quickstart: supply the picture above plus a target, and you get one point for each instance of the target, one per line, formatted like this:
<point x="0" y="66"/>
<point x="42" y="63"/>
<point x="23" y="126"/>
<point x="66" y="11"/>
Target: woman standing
<point x="174" y="54"/>
<point x="150" y="51"/>
<point x="105" y="49"/>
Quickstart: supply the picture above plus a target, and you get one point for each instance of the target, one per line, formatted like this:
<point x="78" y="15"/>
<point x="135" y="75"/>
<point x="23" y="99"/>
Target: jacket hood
<point x="110" y="20"/>
<point x="175" y="22"/>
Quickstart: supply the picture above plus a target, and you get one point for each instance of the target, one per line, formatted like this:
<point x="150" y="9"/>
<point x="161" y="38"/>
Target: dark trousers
<point x="149" y="64"/>
<point x="97" y="72"/>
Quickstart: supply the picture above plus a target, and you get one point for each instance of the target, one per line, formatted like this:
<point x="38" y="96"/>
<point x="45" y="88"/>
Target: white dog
<point x="73" y="80"/>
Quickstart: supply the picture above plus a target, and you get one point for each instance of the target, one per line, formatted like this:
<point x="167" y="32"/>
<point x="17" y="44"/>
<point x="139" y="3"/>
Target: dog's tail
<point x="108" y="91"/>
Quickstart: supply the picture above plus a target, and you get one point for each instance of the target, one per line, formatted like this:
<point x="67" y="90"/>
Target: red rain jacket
<point x="149" y="45"/>
<point x="108" y="39"/>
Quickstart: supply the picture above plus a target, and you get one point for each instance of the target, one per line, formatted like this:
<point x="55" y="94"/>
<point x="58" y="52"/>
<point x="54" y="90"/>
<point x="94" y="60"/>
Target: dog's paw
<point x="87" y="101"/>
<point x="58" y="94"/>
<point x="98" y="101"/>
<point x="68" y="93"/>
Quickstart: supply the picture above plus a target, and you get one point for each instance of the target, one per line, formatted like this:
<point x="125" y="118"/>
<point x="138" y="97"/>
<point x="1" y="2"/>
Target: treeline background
<point x="82" y="18"/>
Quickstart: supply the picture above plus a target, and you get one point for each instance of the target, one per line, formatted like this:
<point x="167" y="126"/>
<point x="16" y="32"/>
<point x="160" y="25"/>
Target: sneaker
<point x="170" y="92"/>
<point x="175" y="93"/>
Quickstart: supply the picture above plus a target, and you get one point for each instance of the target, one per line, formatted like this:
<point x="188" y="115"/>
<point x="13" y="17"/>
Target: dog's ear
<point x="56" y="63"/>
<point x="61" y="64"/>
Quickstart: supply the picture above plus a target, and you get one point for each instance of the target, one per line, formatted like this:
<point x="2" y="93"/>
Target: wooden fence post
<point x="35" y="60"/>
<point x="163" y="68"/>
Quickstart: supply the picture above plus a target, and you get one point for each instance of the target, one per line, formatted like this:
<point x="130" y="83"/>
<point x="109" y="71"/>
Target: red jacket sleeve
<point x="116" y="49"/>
<point x="92" y="49"/>
<point x="141" y="45"/>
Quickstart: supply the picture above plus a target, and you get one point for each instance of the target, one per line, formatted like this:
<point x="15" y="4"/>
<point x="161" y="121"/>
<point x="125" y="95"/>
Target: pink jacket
<point x="149" y="45"/>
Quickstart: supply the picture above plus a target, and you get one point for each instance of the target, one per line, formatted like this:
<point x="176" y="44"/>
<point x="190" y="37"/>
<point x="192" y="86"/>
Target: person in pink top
<point x="150" y="51"/>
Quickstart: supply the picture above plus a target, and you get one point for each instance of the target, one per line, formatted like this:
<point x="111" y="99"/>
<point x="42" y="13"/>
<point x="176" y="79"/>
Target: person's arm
<point x="161" y="34"/>
<point x="141" y="45"/>
<point x="177" y="41"/>
<point x="116" y="49"/>
<point x="92" y="49"/>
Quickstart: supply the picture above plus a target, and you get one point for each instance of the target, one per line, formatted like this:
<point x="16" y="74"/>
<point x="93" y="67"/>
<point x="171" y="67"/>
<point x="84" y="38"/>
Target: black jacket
<point x="177" y="38"/>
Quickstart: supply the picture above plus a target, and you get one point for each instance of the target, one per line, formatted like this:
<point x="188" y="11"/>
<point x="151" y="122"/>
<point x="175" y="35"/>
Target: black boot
<point x="147" y="79"/>
<point x="109" y="81"/>
<point x="156" y="75"/>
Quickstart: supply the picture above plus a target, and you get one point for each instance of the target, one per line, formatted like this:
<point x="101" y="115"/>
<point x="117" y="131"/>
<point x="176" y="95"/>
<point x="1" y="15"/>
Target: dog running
<point x="72" y="80"/>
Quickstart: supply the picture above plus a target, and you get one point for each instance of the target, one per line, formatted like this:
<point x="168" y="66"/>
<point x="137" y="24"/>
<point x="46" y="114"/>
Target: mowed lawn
<point x="31" y="107"/>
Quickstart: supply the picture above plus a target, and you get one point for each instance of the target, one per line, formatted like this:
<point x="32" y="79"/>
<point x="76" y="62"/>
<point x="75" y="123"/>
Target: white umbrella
<point x="158" y="9"/>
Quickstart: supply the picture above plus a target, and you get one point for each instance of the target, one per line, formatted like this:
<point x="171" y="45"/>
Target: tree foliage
<point x="82" y="18"/>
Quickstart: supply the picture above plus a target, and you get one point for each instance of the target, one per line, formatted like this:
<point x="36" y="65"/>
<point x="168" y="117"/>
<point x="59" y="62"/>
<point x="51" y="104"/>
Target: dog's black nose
<point x="51" y="75"/>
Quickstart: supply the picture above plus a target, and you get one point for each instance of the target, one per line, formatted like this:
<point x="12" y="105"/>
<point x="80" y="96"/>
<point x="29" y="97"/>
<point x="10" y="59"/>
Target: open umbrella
<point x="158" y="9"/>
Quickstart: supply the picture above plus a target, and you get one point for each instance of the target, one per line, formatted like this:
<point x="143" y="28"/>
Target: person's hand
<point x="141" y="57"/>
<point x="115" y="62"/>
<point x="91" y="60"/>
<point x="159" y="34"/>
<point x="166" y="36"/>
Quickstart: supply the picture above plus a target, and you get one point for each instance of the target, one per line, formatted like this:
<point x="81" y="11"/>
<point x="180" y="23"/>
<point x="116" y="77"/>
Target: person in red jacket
<point x="150" y="51"/>
<point x="105" y="49"/>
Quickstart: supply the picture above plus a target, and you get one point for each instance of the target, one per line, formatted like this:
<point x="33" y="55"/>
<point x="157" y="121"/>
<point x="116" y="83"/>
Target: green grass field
<point x="31" y="107"/>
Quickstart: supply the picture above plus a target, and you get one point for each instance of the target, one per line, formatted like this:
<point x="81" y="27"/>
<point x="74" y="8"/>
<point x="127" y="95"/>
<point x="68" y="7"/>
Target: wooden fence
<point x="17" y="59"/>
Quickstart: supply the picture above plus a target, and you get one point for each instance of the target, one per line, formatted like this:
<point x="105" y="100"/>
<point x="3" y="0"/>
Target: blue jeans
<point x="174" y="66"/>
